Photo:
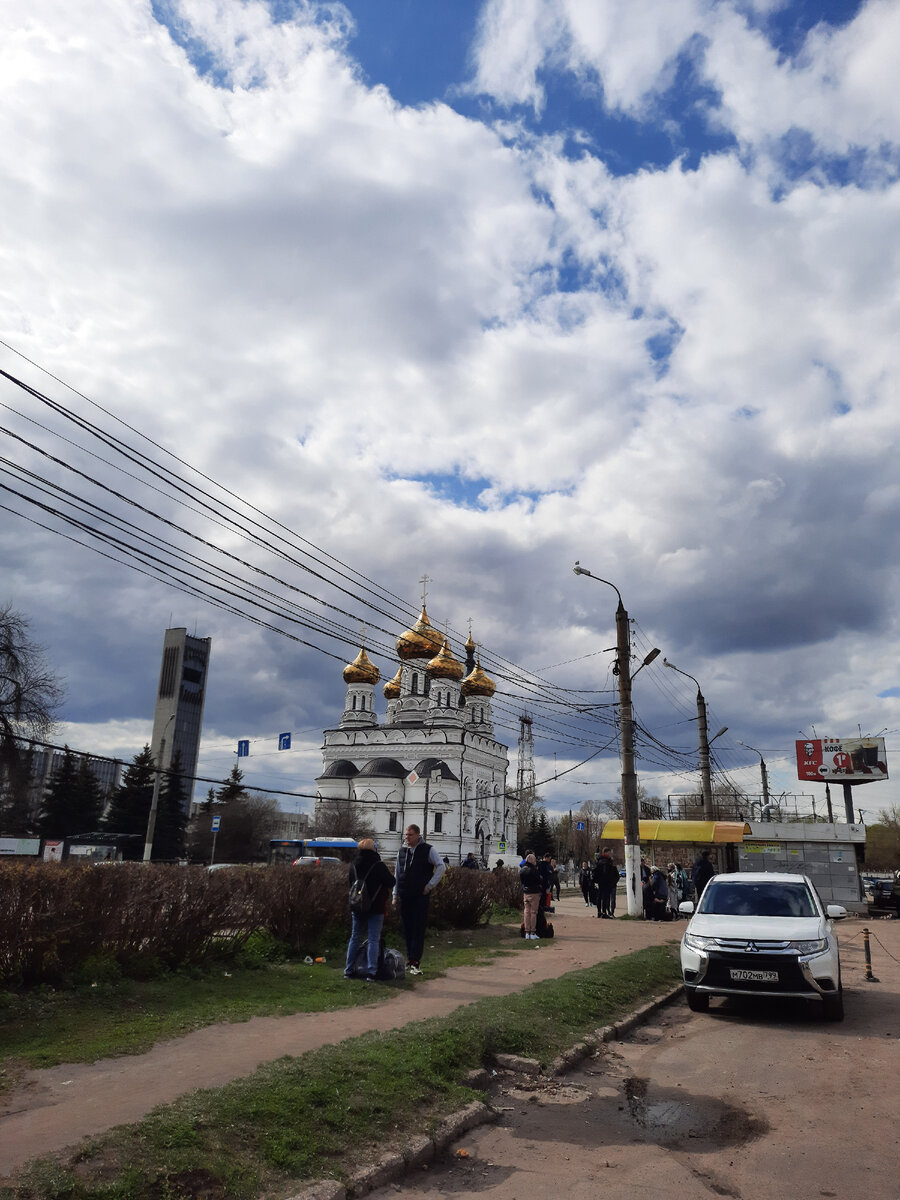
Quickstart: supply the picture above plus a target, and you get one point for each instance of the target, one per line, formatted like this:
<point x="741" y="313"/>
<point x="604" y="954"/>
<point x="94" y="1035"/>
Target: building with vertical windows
<point x="178" y="719"/>
<point x="432" y="760"/>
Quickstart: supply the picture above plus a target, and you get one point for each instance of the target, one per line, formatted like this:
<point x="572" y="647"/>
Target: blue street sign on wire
<point x="244" y="748"/>
<point x="284" y="741"/>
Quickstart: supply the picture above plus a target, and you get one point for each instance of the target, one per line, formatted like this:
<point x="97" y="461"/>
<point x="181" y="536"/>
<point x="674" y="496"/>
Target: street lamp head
<point x="724" y="729"/>
<point x="654" y="653"/>
<point x="580" y="570"/>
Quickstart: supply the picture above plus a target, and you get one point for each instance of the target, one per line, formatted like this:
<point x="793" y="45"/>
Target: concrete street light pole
<point x="762" y="771"/>
<point x="630" y="814"/>
<point x="705" y="739"/>
<point x="157" y="782"/>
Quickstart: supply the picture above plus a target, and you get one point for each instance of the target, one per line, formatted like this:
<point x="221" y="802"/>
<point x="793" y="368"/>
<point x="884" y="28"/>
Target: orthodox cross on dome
<point x="362" y="636"/>
<point x="425" y="580"/>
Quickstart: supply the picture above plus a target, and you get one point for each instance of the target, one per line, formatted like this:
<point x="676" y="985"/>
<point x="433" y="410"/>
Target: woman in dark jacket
<point x="379" y="884"/>
<point x="532" y="891"/>
<point x="586" y="879"/>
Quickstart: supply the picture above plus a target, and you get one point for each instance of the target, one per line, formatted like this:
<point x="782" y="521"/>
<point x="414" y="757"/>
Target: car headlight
<point x="814" y="947"/>
<point x="695" y="942"/>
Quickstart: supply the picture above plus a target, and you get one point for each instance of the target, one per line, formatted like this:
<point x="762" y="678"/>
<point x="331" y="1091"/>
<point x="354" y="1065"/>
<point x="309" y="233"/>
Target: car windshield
<point x="758" y="900"/>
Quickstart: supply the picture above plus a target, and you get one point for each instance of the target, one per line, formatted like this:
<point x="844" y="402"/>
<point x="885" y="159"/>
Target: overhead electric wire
<point x="525" y="686"/>
<point x="385" y="593"/>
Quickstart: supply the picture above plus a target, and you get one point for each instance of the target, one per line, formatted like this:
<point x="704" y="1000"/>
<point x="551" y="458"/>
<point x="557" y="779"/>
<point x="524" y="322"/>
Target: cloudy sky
<point x="336" y="295"/>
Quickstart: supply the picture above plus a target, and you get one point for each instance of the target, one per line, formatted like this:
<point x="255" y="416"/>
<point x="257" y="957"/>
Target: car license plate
<point x="739" y="976"/>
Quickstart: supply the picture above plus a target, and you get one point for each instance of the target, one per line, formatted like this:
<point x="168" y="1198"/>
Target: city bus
<point x="288" y="850"/>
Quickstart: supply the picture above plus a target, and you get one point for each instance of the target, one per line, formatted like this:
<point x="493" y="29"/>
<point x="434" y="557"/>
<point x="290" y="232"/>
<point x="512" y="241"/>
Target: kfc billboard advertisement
<point x="842" y="760"/>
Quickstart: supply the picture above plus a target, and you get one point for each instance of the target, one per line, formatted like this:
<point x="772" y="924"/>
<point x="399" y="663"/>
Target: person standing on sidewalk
<point x="419" y="870"/>
<point x="702" y="873"/>
<point x="586" y="880"/>
<point x="532" y="892"/>
<point x="606" y="876"/>
<point x="378" y="882"/>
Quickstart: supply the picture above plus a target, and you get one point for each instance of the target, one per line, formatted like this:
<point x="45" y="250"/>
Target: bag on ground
<point x="391" y="964"/>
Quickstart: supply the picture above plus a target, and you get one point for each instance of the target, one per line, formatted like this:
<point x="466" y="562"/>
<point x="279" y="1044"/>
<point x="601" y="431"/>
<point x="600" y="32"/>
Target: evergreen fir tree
<point x="544" y="836"/>
<point x="73" y="801"/>
<point x="232" y="788"/>
<point x="171" y="814"/>
<point x="129" y="809"/>
<point x="206" y="806"/>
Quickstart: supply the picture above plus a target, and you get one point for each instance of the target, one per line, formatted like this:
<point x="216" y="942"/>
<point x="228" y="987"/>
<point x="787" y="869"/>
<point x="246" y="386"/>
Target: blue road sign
<point x="244" y="748"/>
<point x="216" y="821"/>
<point x="284" y="741"/>
<point x="579" y="825"/>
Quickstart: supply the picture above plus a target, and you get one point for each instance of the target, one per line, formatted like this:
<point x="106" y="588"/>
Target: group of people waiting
<point x="662" y="888"/>
<point x="599" y="882"/>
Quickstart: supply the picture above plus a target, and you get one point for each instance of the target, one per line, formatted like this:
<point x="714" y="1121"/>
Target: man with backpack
<point x="370" y="885"/>
<point x="419" y="870"/>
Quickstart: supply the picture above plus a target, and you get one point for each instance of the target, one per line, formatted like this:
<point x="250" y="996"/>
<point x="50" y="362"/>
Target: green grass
<point x="323" y="1113"/>
<point x="44" y="1028"/>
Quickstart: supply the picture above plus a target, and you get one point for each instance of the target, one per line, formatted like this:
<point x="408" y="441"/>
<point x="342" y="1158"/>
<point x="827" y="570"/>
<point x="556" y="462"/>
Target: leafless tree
<point x="30" y="694"/>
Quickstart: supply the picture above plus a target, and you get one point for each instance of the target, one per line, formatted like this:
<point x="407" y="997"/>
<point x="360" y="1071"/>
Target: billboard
<point x="842" y="760"/>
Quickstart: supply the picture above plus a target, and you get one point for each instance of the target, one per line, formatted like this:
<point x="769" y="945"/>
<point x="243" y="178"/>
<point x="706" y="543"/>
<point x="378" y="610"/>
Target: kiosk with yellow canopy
<point x="685" y="833"/>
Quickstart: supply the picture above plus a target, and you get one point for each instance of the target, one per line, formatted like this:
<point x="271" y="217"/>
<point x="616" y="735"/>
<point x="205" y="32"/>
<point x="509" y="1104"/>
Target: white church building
<point x="433" y="761"/>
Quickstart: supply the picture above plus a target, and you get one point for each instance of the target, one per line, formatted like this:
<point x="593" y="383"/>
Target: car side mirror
<point x="686" y="907"/>
<point x="837" y="912"/>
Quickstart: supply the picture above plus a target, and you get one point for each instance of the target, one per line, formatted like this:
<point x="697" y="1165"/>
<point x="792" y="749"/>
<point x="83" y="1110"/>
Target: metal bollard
<point x="870" y="978"/>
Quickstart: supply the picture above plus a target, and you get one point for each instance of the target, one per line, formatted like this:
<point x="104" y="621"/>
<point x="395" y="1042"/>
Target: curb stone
<point x="610" y="1033"/>
<point x="461" y="1122"/>
<point x="322" y="1189"/>
<point x="386" y="1170"/>
<point x="421" y="1149"/>
<point x="515" y="1062"/>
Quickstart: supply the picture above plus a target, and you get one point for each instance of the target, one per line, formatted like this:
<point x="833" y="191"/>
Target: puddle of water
<point x="670" y="1118"/>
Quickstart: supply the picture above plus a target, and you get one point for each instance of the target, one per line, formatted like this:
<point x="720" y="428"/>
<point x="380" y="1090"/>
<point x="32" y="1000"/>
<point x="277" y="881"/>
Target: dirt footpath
<point x="753" y="1099"/>
<point x="57" y="1107"/>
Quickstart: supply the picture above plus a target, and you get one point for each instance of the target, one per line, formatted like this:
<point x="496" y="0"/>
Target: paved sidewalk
<point x="57" y="1107"/>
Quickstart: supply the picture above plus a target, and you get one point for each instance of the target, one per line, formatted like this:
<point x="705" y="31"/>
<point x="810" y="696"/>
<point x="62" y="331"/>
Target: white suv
<point x="762" y="935"/>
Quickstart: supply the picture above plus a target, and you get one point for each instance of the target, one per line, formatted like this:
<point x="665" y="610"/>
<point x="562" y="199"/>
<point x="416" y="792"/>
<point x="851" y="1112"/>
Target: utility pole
<point x="705" y="774"/>
<point x="764" y="776"/>
<point x="705" y="741"/>
<point x="630" y="814"/>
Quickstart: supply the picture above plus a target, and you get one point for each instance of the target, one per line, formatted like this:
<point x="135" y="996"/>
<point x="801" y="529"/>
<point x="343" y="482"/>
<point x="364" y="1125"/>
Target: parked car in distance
<point x="316" y="862"/>
<point x="885" y="897"/>
<point x="762" y="934"/>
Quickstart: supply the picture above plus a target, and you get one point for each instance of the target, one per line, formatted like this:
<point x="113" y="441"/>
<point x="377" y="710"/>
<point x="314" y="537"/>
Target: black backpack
<point x="360" y="897"/>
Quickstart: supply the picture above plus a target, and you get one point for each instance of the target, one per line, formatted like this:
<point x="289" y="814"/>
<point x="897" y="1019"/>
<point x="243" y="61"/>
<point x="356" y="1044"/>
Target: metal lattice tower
<point x="525" y="773"/>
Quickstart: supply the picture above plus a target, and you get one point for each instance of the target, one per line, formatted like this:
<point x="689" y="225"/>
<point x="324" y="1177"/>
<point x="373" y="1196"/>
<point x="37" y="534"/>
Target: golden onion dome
<point x="361" y="670"/>
<point x="392" y="688"/>
<point x="444" y="665"/>
<point x="422" y="641"/>
<point x="478" y="683"/>
<point x="470" y="642"/>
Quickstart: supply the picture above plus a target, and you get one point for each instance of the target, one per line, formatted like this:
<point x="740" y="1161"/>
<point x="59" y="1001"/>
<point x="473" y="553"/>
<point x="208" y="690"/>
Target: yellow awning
<point x="716" y="832"/>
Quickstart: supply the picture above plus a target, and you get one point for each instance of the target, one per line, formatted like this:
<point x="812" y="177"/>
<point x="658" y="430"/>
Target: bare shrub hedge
<point x="54" y="917"/>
